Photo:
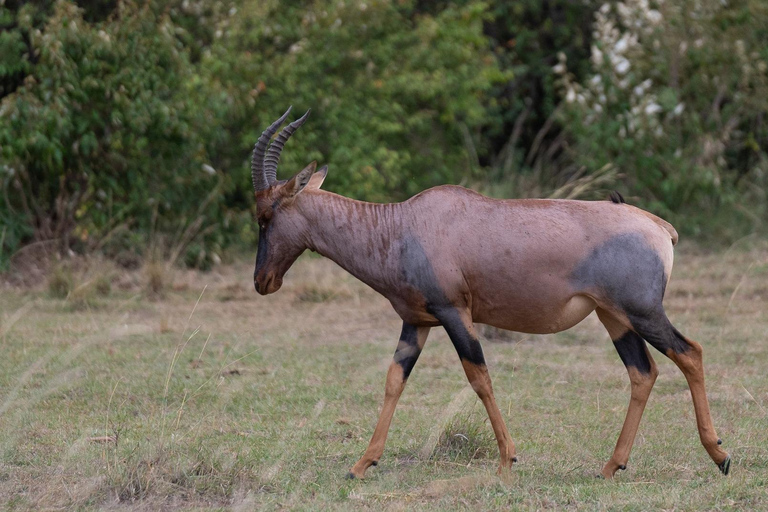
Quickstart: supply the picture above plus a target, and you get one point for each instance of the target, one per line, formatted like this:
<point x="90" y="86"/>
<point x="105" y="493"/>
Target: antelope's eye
<point x="264" y="219"/>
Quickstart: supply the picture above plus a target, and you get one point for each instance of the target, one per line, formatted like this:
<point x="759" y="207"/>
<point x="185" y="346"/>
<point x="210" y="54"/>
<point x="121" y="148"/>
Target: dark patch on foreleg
<point x="418" y="273"/>
<point x="464" y="340"/>
<point x="409" y="347"/>
<point x="462" y="334"/>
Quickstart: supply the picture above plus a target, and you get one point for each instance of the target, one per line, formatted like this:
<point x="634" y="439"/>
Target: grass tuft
<point x="466" y="437"/>
<point x="317" y="293"/>
<point x="60" y="282"/>
<point x="102" y="284"/>
<point x="134" y="477"/>
<point x="158" y="278"/>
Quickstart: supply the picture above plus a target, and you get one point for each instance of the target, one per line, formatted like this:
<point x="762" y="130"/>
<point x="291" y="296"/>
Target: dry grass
<point x="212" y="397"/>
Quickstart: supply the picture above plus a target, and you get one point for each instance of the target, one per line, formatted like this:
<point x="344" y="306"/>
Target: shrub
<point x="106" y="125"/>
<point x="676" y="103"/>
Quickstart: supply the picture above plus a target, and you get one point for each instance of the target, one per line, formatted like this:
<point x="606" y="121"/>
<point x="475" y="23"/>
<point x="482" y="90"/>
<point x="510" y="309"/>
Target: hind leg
<point x="687" y="354"/>
<point x="642" y="375"/>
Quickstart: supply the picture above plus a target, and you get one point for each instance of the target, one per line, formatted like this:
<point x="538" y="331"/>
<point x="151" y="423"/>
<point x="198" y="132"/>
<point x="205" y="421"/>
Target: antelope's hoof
<point x="600" y="476"/>
<point x="375" y="463"/>
<point x="725" y="466"/>
<point x="514" y="459"/>
<point x="350" y="476"/>
<point x="719" y="441"/>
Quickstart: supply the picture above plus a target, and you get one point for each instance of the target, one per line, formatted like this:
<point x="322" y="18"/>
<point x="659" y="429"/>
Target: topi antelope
<point x="450" y="256"/>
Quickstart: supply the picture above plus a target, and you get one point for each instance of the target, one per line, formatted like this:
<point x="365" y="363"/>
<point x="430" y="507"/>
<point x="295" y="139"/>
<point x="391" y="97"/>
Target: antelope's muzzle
<point x="266" y="283"/>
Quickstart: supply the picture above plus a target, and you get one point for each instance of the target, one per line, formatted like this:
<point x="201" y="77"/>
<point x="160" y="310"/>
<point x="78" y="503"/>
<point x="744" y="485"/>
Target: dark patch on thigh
<point x="659" y="332"/>
<point x="625" y="271"/>
<point x="408" y="350"/>
<point x="629" y="274"/>
<point x="631" y="349"/>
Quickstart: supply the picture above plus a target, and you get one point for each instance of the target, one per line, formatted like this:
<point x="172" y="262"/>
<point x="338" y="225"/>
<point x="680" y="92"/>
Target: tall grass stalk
<point x="176" y="354"/>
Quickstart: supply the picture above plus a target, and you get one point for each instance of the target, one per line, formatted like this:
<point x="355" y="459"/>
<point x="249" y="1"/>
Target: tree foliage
<point x="395" y="95"/>
<point x="140" y="116"/>
<point x="677" y="100"/>
<point x="107" y="128"/>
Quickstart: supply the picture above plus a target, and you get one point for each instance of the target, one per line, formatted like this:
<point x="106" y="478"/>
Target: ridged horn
<point x="273" y="154"/>
<point x="258" y="176"/>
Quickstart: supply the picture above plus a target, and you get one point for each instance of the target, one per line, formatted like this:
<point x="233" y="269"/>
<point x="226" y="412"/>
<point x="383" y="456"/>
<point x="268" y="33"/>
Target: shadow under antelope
<point x="452" y="257"/>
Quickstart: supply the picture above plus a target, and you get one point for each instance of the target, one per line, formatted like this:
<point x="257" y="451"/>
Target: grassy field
<point x="196" y="393"/>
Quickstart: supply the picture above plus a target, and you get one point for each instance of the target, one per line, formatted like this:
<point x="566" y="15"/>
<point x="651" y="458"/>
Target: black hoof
<point x="375" y="463"/>
<point x="350" y="476"/>
<point x="599" y="476"/>
<point x="719" y="441"/>
<point x="725" y="466"/>
<point x="514" y="459"/>
<point x="622" y="467"/>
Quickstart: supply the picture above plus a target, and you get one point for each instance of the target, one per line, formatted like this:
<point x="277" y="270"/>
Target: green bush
<point x="397" y="96"/>
<point x="127" y="127"/>
<point x="108" y="127"/>
<point x="676" y="102"/>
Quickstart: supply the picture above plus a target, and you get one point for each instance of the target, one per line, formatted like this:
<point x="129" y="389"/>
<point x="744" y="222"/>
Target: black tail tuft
<point x="617" y="198"/>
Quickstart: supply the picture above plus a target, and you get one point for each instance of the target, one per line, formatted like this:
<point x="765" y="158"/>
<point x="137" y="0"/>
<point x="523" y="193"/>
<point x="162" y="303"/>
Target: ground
<point x="196" y="393"/>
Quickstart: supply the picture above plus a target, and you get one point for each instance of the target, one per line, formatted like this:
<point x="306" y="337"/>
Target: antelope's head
<point x="281" y="227"/>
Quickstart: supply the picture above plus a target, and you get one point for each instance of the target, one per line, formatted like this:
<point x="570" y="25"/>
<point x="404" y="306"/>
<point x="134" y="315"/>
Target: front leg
<point x="461" y="330"/>
<point x="409" y="347"/>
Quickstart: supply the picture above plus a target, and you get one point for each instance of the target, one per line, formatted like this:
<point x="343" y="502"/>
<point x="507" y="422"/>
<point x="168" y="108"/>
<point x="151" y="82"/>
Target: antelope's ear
<point x="316" y="181"/>
<point x="298" y="182"/>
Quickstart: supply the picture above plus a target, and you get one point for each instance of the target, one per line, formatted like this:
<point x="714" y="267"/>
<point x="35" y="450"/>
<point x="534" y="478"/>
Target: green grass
<point x="209" y="396"/>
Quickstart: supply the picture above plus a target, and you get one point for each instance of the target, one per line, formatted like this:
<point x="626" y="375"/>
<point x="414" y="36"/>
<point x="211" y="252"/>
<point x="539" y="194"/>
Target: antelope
<point x="452" y="257"/>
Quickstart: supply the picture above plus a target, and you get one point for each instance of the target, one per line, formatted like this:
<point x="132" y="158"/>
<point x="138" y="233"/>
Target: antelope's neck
<point x="360" y="237"/>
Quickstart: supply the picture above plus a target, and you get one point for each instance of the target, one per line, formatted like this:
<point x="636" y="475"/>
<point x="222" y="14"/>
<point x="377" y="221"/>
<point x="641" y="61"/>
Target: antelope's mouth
<point x="270" y="284"/>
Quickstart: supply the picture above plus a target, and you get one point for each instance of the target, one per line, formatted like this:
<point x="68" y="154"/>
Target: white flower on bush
<point x="652" y="108"/>
<point x="621" y="66"/>
<point x="653" y="16"/>
<point x="621" y="45"/>
<point x="617" y="81"/>
<point x="639" y="90"/>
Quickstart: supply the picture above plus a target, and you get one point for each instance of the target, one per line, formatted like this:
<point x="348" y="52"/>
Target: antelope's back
<point x="525" y="253"/>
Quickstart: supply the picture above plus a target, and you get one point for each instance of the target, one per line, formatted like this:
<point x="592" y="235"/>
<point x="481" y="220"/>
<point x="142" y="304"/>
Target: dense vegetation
<point x="125" y="127"/>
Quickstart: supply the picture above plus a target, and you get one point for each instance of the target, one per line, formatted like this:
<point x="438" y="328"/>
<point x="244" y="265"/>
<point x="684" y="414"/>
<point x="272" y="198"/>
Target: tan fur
<point x="392" y="391"/>
<point x="507" y="263"/>
<point x="641" y="386"/>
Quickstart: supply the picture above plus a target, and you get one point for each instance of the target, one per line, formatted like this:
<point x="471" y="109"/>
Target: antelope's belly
<point x="540" y="305"/>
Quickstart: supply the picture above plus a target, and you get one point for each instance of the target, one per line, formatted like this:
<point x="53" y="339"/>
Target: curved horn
<point x="259" y="178"/>
<point x="273" y="154"/>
